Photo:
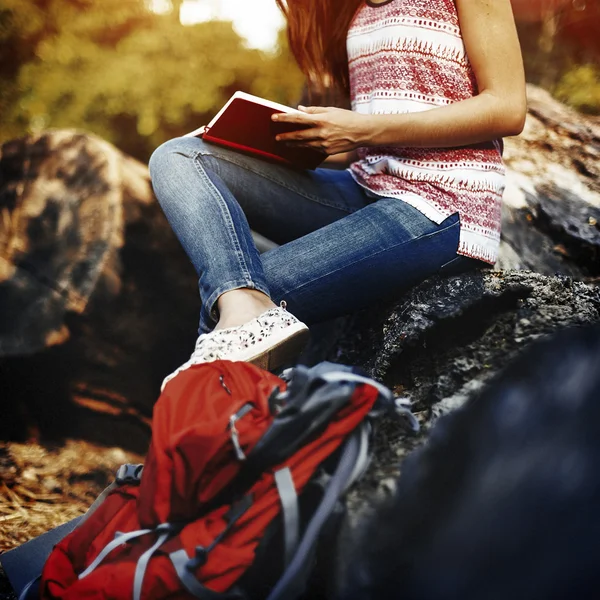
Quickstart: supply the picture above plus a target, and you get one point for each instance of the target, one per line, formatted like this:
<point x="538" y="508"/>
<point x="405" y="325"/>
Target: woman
<point x="434" y="86"/>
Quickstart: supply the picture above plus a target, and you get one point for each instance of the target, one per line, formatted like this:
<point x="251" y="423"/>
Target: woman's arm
<point x="492" y="45"/>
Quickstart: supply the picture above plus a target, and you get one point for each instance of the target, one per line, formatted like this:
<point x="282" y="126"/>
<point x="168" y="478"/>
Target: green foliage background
<point x="131" y="76"/>
<point x="562" y="54"/>
<point x="137" y="78"/>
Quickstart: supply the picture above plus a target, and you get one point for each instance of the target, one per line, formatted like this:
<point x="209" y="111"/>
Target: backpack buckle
<point x="129" y="474"/>
<point x="235" y="434"/>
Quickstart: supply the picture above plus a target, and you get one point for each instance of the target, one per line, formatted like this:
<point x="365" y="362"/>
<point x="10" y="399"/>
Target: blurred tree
<point x="580" y="87"/>
<point x="561" y="48"/>
<point x="28" y="25"/>
<point x="22" y="26"/>
<point x="536" y="10"/>
<point x="131" y="76"/>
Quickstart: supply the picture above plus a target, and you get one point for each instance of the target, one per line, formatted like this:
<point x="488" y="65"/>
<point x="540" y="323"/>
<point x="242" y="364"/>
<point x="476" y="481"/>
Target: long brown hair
<point x="317" y="31"/>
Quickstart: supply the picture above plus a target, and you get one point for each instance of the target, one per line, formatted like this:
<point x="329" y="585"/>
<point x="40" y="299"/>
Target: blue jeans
<point x="341" y="249"/>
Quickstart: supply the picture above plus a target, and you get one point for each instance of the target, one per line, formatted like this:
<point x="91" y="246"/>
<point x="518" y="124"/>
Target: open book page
<point x="197" y="132"/>
<point x="257" y="100"/>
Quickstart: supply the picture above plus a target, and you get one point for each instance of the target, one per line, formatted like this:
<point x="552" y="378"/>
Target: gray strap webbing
<point x="140" y="569"/>
<point x="180" y="560"/>
<point x="293" y="581"/>
<point x="342" y="376"/>
<point x="362" y="458"/>
<point x="401" y="408"/>
<point x="404" y="411"/>
<point x="291" y="513"/>
<point x="119" y="539"/>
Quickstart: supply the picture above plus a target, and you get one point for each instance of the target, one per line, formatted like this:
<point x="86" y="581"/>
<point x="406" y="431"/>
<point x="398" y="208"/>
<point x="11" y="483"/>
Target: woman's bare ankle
<point x="237" y="307"/>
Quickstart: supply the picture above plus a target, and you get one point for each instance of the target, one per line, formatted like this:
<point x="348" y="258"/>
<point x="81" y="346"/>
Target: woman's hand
<point x="331" y="130"/>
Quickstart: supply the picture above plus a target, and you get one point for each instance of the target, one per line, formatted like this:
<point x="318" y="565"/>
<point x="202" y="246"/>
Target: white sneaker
<point x="268" y="341"/>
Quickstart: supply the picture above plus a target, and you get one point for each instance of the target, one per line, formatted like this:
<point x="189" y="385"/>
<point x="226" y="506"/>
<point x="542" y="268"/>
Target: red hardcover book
<point x="244" y="124"/>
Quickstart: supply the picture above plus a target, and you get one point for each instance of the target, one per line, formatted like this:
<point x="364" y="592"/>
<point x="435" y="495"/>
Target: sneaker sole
<point x="284" y="352"/>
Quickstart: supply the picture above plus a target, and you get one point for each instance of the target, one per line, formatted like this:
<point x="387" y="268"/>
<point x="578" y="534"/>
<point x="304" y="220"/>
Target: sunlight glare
<point x="258" y="21"/>
<point x="160" y="7"/>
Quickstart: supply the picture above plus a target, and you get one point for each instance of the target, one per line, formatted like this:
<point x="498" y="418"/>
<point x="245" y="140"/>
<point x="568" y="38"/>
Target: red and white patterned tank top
<point x="408" y="56"/>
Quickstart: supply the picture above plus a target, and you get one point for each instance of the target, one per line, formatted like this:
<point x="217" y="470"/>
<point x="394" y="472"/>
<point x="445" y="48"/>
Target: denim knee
<point x="182" y="146"/>
<point x="175" y="175"/>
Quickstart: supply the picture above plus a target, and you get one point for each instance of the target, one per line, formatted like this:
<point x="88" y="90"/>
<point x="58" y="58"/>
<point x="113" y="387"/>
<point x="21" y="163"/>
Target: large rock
<point x="502" y="501"/>
<point x="551" y="212"/>
<point x="97" y="299"/>
<point x="467" y="325"/>
<point x="441" y="343"/>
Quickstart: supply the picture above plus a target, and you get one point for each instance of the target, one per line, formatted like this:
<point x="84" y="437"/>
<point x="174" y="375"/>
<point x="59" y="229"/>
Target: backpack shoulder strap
<point x="180" y="561"/>
<point x="185" y="566"/>
<point x="387" y="400"/>
<point x="352" y="463"/>
<point x="290" y="512"/>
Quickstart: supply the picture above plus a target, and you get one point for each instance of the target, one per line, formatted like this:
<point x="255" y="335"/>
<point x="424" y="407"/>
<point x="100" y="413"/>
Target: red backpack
<point x="233" y="448"/>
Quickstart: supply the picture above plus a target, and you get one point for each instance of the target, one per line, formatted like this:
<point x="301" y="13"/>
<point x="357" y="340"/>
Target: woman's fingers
<point x="300" y="118"/>
<point x="314" y="110"/>
<point x="302" y="135"/>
